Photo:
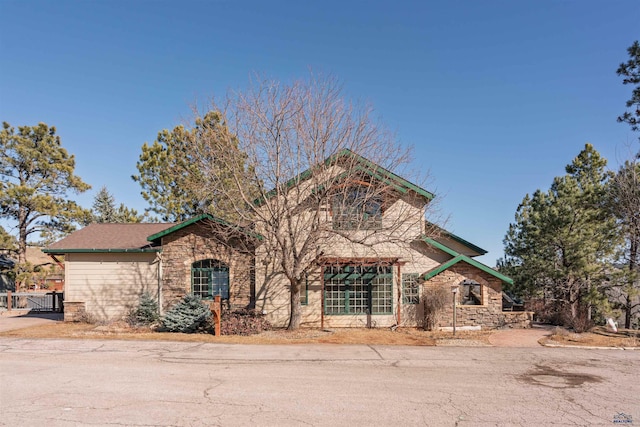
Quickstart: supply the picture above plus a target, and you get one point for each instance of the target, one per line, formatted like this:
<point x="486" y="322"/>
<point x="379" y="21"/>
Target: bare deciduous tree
<point x="625" y="203"/>
<point x="322" y="166"/>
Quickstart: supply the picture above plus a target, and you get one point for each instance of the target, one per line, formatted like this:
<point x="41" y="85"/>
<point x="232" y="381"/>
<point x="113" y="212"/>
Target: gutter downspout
<point x="159" y="259"/>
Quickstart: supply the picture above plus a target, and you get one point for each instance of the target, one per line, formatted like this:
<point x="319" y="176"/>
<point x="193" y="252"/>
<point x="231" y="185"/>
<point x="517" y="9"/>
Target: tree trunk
<point x="633" y="254"/>
<point x="22" y="244"/>
<point x="296" y="315"/>
<point x="627" y="312"/>
<point x="22" y="236"/>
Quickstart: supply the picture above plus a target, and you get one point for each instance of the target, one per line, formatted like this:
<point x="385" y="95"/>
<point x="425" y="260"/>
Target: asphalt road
<point x="125" y="383"/>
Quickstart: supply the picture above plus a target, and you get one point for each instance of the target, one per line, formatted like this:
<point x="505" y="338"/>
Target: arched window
<point x="210" y="277"/>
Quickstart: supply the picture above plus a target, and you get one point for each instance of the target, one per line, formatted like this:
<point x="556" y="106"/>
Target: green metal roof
<point x="161" y="234"/>
<point x="457" y="257"/>
<point x="459" y="239"/>
<point x="368" y="167"/>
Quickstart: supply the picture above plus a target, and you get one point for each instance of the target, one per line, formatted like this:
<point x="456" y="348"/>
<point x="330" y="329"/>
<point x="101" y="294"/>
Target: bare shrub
<point x="243" y="322"/>
<point x="581" y="322"/>
<point x="435" y="298"/>
<point x="84" y="317"/>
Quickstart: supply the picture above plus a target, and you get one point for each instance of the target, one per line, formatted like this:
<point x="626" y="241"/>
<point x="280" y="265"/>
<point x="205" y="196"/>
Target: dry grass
<point x="382" y="336"/>
<point x="596" y="337"/>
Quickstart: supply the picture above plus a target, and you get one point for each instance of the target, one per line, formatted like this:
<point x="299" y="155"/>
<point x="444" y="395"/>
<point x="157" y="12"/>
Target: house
<point x="373" y="262"/>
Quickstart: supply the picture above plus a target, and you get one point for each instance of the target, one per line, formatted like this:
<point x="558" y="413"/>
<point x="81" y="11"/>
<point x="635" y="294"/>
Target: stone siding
<point x="488" y="315"/>
<point x="196" y="242"/>
<point x="74" y="311"/>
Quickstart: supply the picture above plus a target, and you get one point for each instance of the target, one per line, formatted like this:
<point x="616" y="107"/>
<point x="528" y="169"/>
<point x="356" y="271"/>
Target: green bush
<point x="147" y="312"/>
<point x="188" y="316"/>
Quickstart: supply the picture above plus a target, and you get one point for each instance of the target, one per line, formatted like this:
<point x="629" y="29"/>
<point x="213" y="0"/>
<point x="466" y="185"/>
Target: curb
<point x="589" y="347"/>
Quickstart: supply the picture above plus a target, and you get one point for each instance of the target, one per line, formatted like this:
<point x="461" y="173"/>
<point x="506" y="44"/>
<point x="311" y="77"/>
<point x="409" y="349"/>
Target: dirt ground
<point x="51" y="326"/>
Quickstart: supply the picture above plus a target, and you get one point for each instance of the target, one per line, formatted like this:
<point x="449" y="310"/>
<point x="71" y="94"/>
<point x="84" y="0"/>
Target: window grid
<point x="410" y="288"/>
<point x="304" y="292"/>
<point x="356" y="209"/>
<point x="358" y="290"/>
<point x="200" y="286"/>
<point x="210" y="277"/>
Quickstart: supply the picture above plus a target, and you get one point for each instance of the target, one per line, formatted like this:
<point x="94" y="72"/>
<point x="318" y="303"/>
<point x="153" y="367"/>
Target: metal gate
<point x="32" y="301"/>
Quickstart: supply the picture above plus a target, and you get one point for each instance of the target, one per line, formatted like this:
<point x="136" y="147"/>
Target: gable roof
<point x="458" y="257"/>
<point x="447" y="234"/>
<point x="155" y="238"/>
<point x="365" y="166"/>
<point x="109" y="238"/>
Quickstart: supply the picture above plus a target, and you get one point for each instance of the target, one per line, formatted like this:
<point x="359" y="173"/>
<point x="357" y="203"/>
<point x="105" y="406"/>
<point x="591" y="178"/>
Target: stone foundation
<point x="74" y="311"/>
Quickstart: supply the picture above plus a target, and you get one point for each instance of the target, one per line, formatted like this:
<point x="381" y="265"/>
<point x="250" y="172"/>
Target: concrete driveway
<point x="134" y="383"/>
<point x="17" y="320"/>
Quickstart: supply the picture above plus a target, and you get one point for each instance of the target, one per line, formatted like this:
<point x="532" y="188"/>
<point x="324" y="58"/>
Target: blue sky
<point x="496" y="97"/>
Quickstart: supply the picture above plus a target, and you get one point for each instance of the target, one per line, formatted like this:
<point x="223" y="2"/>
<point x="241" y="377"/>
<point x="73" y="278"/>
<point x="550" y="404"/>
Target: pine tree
<point x="104" y="210"/>
<point x="104" y="207"/>
<point x="36" y="177"/>
<point x="7" y="241"/>
<point x="172" y="181"/>
<point x="188" y="316"/>
<point x="562" y="241"/>
<point x="630" y="70"/>
<point x="147" y="311"/>
<point x="624" y="203"/>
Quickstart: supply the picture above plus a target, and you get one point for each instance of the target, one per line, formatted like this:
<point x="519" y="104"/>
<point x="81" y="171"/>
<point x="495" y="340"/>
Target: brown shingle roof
<point x="109" y="237"/>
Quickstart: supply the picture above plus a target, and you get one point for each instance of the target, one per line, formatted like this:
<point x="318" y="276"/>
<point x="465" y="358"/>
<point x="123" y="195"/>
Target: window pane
<point x="410" y="288"/>
<point x="210" y="277"/>
<point x="357" y="208"/>
<point x="358" y="290"/>
<point x="382" y="294"/>
<point x="471" y="293"/>
<point x="220" y="284"/>
<point x="201" y="284"/>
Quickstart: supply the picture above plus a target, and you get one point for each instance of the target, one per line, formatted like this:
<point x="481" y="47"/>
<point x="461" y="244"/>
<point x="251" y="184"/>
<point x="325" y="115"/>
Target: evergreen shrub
<point x="187" y="316"/>
<point x="146" y="313"/>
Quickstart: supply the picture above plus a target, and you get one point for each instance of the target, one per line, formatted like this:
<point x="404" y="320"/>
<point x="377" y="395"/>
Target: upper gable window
<point x="356" y="208"/>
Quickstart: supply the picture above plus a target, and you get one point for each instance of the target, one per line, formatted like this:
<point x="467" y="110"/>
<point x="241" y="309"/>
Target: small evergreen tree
<point x="147" y="311"/>
<point x="188" y="316"/>
<point x="105" y="211"/>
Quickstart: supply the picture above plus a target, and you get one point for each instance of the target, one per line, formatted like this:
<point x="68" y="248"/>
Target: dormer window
<point x="356" y="208"/>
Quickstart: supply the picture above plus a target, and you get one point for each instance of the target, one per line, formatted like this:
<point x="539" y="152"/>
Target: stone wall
<point x="488" y="315"/>
<point x="203" y="241"/>
<point x="74" y="311"/>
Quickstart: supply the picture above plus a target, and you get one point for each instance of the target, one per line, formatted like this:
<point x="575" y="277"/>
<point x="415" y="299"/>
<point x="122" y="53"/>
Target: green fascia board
<point x="201" y="217"/>
<point x="380" y="172"/>
<point x="460" y="257"/>
<point x="368" y="172"/>
<point x="440" y="246"/>
<point x="442" y="267"/>
<point x="390" y="175"/>
<point x="461" y="240"/>
<point x="100" y="251"/>
<point x="467" y="243"/>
